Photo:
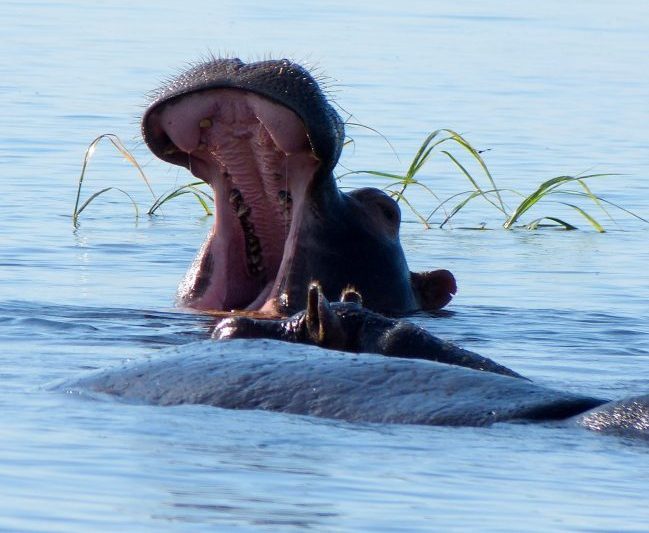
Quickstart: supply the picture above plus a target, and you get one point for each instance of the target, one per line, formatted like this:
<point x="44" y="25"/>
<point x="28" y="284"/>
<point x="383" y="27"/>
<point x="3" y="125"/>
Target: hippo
<point x="289" y="366"/>
<point x="265" y="138"/>
<point x="284" y="239"/>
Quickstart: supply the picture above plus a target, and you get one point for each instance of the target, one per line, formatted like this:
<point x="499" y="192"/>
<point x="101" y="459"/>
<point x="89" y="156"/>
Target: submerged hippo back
<point x="290" y="378"/>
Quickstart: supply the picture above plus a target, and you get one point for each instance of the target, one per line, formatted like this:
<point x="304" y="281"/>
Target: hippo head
<point x="265" y="138"/>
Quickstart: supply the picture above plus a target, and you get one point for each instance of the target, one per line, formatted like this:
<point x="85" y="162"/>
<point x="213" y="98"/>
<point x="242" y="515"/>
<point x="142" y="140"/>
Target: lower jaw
<point x="220" y="280"/>
<point x="223" y="259"/>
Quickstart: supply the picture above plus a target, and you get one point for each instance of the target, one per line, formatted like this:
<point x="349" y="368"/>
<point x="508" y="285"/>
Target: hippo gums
<point x="266" y="139"/>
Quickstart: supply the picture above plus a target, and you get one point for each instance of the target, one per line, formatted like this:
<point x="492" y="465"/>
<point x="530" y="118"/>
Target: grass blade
<point x="535" y="223"/>
<point x="460" y="206"/>
<point x="117" y="143"/>
<point x="412" y="208"/>
<point x="590" y="219"/>
<point x="98" y="193"/>
<point x="541" y="192"/>
<point x="475" y="183"/>
<point x="188" y="188"/>
<point x="476" y="155"/>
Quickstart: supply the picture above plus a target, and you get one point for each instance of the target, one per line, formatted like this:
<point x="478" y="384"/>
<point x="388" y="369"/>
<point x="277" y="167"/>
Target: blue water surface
<point x="544" y="89"/>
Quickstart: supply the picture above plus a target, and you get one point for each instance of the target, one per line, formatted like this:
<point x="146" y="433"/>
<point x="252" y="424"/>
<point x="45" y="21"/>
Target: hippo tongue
<point x="257" y="158"/>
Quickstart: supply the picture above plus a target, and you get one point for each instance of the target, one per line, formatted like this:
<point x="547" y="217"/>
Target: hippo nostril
<point x="351" y="295"/>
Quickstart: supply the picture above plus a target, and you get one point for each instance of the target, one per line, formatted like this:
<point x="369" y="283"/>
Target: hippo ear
<point x="323" y="325"/>
<point x="351" y="295"/>
<point x="433" y="290"/>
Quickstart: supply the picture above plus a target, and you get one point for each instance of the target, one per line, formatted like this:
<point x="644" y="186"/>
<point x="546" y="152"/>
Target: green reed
<point x="449" y="145"/>
<point x="90" y="151"/>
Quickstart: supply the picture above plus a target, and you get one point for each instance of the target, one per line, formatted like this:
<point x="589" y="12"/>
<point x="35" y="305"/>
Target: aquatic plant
<point x="90" y="151"/>
<point x="197" y="188"/>
<point x="441" y="141"/>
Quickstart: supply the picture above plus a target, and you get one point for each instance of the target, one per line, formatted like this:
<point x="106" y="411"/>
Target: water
<point x="547" y="89"/>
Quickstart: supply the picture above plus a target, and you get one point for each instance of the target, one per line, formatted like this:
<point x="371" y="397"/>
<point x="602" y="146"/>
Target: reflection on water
<point x="548" y="89"/>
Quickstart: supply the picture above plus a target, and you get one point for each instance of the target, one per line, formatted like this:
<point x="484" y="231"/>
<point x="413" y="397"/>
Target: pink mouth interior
<point x="256" y="156"/>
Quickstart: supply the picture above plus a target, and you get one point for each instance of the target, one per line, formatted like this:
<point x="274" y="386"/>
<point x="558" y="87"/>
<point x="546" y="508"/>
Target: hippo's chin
<point x="256" y="156"/>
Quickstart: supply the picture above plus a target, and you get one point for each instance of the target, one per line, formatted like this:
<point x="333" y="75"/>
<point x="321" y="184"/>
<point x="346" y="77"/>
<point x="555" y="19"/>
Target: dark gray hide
<point x="277" y="376"/>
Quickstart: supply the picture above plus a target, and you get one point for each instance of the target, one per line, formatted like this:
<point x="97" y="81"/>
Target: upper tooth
<point x="235" y="196"/>
<point x="252" y="244"/>
<point x="284" y="197"/>
<point x="205" y="123"/>
<point x="256" y="269"/>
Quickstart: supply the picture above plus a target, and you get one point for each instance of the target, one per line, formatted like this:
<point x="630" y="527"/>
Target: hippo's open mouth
<point x="257" y="157"/>
<point x="265" y="138"/>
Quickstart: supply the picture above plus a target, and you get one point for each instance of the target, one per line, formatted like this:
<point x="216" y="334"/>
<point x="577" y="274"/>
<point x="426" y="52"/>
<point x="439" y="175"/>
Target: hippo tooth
<point x="284" y="198"/>
<point x="243" y="210"/>
<point x="256" y="269"/>
<point x="205" y="123"/>
<point x="235" y="196"/>
<point x="252" y="244"/>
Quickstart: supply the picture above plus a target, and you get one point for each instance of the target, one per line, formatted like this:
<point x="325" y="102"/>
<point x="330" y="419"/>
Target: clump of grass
<point x="195" y="188"/>
<point x="441" y="141"/>
<point x="400" y="182"/>
<point x="90" y="151"/>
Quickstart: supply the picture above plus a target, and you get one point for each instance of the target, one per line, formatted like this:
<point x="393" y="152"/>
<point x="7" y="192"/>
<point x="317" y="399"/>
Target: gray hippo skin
<point x="292" y="378"/>
<point x="265" y="138"/>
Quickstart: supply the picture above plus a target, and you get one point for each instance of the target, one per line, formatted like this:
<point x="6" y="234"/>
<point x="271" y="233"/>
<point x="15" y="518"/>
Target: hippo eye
<point x="388" y="212"/>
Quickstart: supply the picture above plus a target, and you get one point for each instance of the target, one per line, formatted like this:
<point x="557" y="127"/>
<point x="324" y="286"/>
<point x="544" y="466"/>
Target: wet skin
<point x="350" y="327"/>
<point x="265" y="138"/>
<point x="271" y="375"/>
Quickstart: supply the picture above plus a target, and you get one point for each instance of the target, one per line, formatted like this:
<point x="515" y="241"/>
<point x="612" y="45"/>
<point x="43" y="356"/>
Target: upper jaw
<point x="281" y="81"/>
